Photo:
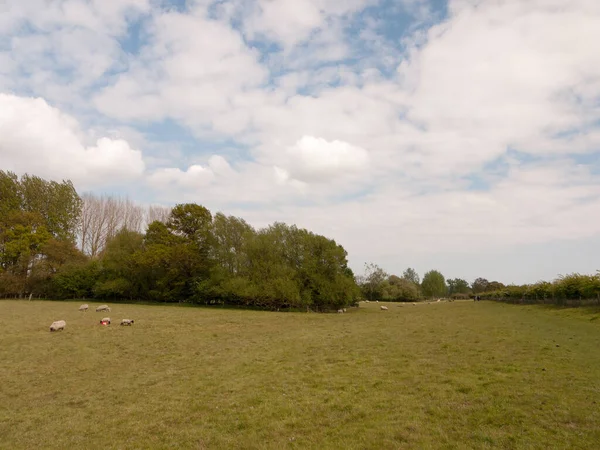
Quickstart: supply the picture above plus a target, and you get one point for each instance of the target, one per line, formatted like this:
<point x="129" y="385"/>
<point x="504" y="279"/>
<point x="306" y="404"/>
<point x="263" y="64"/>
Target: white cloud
<point x="291" y="22"/>
<point x="192" y="71"/>
<point x="495" y="75"/>
<point x="37" y="138"/>
<point x="315" y="159"/>
<point x="498" y="75"/>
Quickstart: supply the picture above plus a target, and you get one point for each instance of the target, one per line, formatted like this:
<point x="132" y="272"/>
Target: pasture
<point x="449" y="375"/>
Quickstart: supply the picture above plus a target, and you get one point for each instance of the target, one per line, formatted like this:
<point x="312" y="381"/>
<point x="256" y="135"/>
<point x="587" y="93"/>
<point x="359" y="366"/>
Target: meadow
<point x="450" y="375"/>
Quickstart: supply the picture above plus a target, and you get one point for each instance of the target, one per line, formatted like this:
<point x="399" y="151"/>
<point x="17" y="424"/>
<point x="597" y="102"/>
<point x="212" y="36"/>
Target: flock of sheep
<point x="385" y="308"/>
<point x="60" y="324"/>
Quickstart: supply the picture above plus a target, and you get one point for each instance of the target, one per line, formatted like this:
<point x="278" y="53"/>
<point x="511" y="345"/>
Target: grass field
<point x="450" y="375"/>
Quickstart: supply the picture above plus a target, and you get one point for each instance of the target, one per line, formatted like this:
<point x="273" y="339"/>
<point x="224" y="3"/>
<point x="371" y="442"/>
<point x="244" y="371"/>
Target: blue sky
<point x="458" y="135"/>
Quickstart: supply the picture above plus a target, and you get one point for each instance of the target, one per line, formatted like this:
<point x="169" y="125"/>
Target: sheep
<point x="105" y="321"/>
<point x="103" y="308"/>
<point x="127" y="322"/>
<point x="344" y="309"/>
<point x="58" y="325"/>
<point x="84" y="307"/>
<point x="340" y="311"/>
<point x="384" y="308"/>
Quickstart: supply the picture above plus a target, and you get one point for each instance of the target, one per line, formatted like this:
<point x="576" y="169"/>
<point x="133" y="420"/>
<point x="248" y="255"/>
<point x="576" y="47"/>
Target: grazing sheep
<point x="103" y="308"/>
<point x="340" y="311"/>
<point x="384" y="308"/>
<point x="105" y="321"/>
<point x="58" y="325"/>
<point x="127" y="322"/>
<point x="84" y="307"/>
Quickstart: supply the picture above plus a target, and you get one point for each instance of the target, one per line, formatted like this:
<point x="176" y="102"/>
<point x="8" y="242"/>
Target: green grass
<point x="450" y="375"/>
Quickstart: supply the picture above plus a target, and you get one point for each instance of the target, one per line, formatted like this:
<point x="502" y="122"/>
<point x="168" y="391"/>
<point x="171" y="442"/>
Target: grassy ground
<point x="451" y="375"/>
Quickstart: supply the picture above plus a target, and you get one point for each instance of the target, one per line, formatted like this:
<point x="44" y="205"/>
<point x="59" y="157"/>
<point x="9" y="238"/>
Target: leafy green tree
<point x="479" y="285"/>
<point x="457" y="286"/>
<point x="396" y="289"/>
<point x="58" y="204"/>
<point x="230" y="237"/>
<point x="10" y="193"/>
<point x="22" y="237"/>
<point x="373" y="283"/>
<point x="434" y="284"/>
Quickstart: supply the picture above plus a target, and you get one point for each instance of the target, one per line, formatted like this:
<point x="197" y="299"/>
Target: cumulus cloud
<point x="315" y="159"/>
<point x="497" y="74"/>
<point x="493" y="92"/>
<point x="39" y="139"/>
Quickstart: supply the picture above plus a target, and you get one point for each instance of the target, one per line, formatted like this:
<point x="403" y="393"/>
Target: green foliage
<point x="570" y="289"/>
<point x="434" y="284"/>
<point x="373" y="284"/>
<point x="457" y="286"/>
<point x="396" y="289"/>
<point x="195" y="257"/>
<point x="479" y="285"/>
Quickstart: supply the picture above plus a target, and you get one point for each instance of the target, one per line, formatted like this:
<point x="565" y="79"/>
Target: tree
<point x="102" y="217"/>
<point x="457" y="286"/>
<point x="494" y="286"/>
<point x="479" y="285"/>
<point x="398" y="289"/>
<point x="230" y="236"/>
<point x="157" y="213"/>
<point x="433" y="284"/>
<point x="58" y="204"/>
<point x="411" y="275"/>
<point x="374" y="278"/>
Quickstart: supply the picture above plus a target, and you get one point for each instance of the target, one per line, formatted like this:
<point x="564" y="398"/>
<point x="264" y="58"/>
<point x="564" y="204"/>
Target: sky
<point x="458" y="135"/>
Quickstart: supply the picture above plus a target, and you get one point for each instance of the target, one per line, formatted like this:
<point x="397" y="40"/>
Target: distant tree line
<point x="571" y="289"/>
<point x="57" y="244"/>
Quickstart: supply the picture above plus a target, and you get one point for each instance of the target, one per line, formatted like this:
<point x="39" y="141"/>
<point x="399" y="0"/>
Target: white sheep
<point x="384" y="308"/>
<point x="340" y="311"/>
<point x="344" y="309"/>
<point x="106" y="320"/>
<point x="58" y="325"/>
<point x="84" y="307"/>
<point x="103" y="308"/>
<point x="127" y="322"/>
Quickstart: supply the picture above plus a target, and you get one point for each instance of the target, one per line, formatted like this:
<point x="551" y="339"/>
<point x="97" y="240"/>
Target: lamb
<point x="384" y="308"/>
<point x="105" y="321"/>
<point x="58" y="325"/>
<point x="127" y="322"/>
<point x="84" y="307"/>
<point x="103" y="308"/>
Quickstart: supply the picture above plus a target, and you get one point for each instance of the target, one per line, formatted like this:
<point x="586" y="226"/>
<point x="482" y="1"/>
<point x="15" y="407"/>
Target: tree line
<point x="57" y="244"/>
<point x="572" y="289"/>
